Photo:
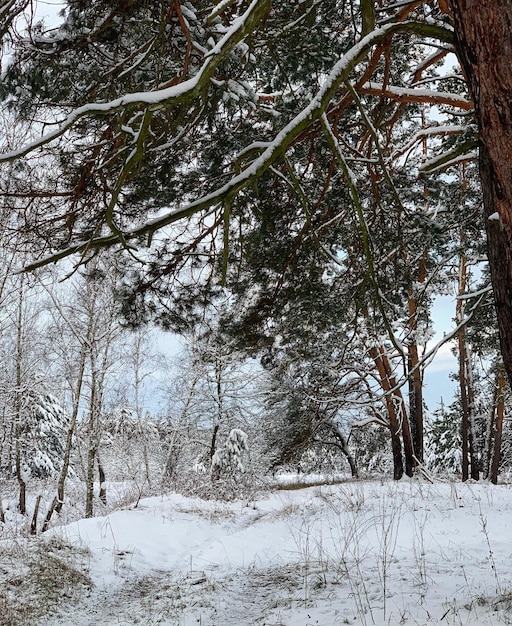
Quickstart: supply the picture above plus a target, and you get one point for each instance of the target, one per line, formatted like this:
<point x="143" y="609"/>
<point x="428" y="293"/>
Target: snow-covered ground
<point x="376" y="553"/>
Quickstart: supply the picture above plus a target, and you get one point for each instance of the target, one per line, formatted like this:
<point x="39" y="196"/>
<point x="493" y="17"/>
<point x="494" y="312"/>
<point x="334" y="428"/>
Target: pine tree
<point x="194" y="128"/>
<point x="42" y="435"/>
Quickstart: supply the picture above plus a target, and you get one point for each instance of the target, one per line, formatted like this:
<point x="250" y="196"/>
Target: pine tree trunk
<point x="498" y="430"/>
<point x="490" y="435"/>
<point x="416" y="401"/>
<point x="399" y="407"/>
<point x="484" y="46"/>
<point x="415" y="370"/>
<point x="380" y="359"/>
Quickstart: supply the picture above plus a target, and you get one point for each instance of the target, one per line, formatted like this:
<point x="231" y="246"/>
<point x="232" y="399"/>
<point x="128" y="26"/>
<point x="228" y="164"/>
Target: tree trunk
<point x="416" y="401"/>
<point x="470" y="464"/>
<point x="89" y="482"/>
<point x="22" y="498"/>
<point x="414" y="369"/>
<point x="33" y="523"/>
<point x="58" y="500"/>
<point x="380" y="360"/>
<point x="343" y="444"/>
<point x="213" y="443"/>
<point x="484" y="45"/>
<point x="103" y="481"/>
<point x="92" y="433"/>
<point x="498" y="430"/>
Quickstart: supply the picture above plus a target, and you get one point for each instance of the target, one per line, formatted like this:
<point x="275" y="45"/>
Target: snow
<point x="368" y="552"/>
<point x="424" y="95"/>
<point x="151" y="98"/>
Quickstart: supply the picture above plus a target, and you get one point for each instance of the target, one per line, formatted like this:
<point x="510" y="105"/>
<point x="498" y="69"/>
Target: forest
<point x="288" y="187"/>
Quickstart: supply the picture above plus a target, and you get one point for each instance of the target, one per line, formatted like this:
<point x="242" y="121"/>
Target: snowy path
<point x="358" y="553"/>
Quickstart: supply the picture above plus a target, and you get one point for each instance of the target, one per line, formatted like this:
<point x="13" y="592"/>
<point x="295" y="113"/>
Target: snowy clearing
<point x="354" y="553"/>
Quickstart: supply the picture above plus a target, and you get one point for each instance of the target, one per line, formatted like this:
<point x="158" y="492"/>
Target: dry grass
<point x="37" y="576"/>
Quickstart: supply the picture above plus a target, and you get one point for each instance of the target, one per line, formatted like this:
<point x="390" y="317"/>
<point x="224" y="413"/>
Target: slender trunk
<point x="22" y="485"/>
<point x="103" y="481"/>
<point x="472" y="434"/>
<point x="343" y="444"/>
<point x="464" y="409"/>
<point x="490" y="434"/>
<point x="33" y="523"/>
<point x="22" y="499"/>
<point x="498" y="430"/>
<point x="91" y="451"/>
<point x="58" y="500"/>
<point x="89" y="482"/>
<point x="416" y="401"/>
<point x="173" y="453"/>
<point x="393" y="418"/>
<point x="414" y="369"/>
<point x="484" y="46"/>
<point x="220" y="407"/>
<point x="213" y="443"/>
<point x="171" y="460"/>
<point x="137" y="383"/>
<point x="470" y="465"/>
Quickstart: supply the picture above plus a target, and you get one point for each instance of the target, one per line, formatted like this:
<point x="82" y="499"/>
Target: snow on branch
<point x="424" y="133"/>
<point x="338" y="75"/>
<point x="461" y="154"/>
<point x="404" y="94"/>
<point x="161" y="98"/>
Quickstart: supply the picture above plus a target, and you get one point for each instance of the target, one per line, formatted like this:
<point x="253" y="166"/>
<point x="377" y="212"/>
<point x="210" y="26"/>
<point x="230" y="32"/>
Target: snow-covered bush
<point x="42" y="435"/>
<point x="228" y="460"/>
<point x="372" y="449"/>
<point x="130" y="446"/>
<point x="443" y="449"/>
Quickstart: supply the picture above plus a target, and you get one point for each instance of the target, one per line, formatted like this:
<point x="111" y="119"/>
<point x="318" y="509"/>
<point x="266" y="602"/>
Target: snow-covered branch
<point x="169" y="97"/>
<point x="271" y="151"/>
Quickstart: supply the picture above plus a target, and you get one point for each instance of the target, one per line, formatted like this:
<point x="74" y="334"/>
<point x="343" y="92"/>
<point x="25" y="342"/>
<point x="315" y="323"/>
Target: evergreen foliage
<point x="444" y="440"/>
<point x="42" y="435"/>
<point x="301" y="173"/>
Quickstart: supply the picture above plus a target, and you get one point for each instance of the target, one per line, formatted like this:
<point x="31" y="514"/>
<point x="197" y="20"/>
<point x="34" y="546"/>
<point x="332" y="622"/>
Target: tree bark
<point x="380" y="360"/>
<point x="33" y="523"/>
<point x="102" y="479"/>
<point x="484" y="45"/>
<point x="470" y="466"/>
<point x="58" y="500"/>
<point x="498" y="430"/>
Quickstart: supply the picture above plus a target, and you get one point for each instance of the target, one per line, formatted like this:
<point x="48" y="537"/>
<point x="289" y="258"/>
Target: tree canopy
<point x="313" y="163"/>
